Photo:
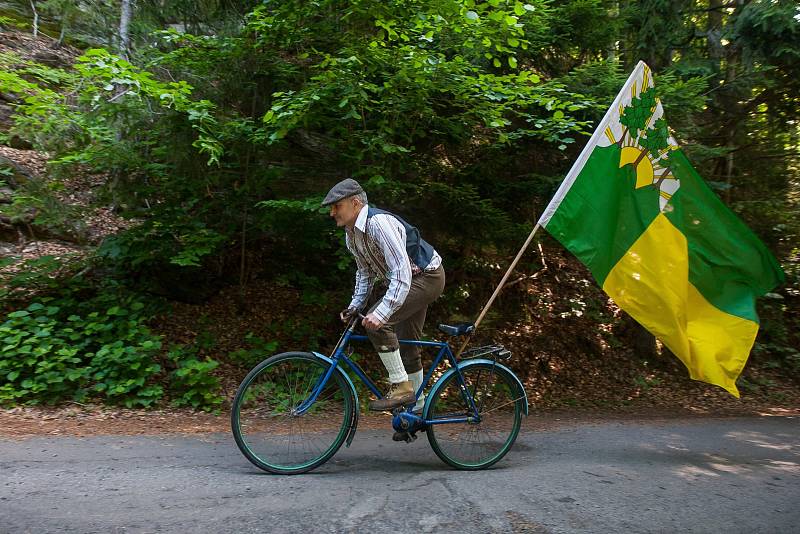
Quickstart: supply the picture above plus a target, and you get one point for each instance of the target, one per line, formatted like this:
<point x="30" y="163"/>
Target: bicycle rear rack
<point x="495" y="352"/>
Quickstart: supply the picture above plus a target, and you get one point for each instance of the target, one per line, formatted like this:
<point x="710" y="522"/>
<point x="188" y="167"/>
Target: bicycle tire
<point x="500" y="401"/>
<point x="264" y="426"/>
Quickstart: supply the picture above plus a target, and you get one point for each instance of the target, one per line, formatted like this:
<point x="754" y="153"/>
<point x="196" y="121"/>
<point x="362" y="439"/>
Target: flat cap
<point x="346" y="188"/>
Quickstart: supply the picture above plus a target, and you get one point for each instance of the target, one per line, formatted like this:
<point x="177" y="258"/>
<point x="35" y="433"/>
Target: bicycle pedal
<point x="404" y="436"/>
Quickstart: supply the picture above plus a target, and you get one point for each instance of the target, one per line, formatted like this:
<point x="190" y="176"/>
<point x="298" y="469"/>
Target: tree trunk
<point x="35" y="19"/>
<point x="611" y="52"/>
<point x="63" y="33"/>
<point x="642" y="342"/>
<point x="124" y="27"/>
<point x="714" y="32"/>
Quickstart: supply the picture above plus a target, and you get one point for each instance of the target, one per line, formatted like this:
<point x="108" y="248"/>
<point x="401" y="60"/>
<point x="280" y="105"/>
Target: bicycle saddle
<point x="459" y="329"/>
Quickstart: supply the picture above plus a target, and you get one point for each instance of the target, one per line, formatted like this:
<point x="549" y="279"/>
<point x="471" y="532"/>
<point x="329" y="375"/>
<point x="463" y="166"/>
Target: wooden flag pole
<point x="499" y="287"/>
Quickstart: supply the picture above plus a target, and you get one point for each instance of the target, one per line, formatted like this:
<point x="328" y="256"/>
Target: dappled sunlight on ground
<point x="765" y="442"/>
<point x="693" y="471"/>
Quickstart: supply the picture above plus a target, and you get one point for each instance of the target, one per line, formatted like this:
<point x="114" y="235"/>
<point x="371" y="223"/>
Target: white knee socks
<point x="394" y="365"/>
<point x="416" y="381"/>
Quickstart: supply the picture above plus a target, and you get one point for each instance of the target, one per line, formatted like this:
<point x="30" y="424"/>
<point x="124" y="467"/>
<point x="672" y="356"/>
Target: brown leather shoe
<point x="398" y="395"/>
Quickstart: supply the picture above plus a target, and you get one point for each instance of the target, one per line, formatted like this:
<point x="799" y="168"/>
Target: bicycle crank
<point x="408" y="437"/>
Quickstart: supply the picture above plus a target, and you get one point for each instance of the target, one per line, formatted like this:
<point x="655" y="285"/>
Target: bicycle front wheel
<point x="265" y="422"/>
<point x="478" y="444"/>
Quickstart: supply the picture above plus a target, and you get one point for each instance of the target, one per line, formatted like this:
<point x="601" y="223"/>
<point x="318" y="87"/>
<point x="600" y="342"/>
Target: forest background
<point x="162" y="165"/>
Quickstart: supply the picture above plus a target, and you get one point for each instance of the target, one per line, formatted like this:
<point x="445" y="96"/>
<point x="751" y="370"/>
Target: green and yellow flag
<point x="660" y="242"/>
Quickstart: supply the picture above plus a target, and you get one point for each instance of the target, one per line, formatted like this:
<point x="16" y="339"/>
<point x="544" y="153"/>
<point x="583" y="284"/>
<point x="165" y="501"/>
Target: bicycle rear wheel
<point x="264" y="421"/>
<point x="500" y="402"/>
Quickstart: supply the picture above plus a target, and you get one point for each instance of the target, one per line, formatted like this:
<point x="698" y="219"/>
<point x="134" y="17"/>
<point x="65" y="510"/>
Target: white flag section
<point x="611" y="131"/>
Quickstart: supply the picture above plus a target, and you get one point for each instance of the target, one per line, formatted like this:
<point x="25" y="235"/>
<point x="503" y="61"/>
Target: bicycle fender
<point x="354" y="419"/>
<point x="468" y="363"/>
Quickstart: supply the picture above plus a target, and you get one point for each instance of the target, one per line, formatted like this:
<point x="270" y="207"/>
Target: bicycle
<point x="294" y="410"/>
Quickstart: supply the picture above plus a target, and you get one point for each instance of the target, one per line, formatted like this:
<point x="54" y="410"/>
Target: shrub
<point x="103" y="350"/>
<point x="192" y="383"/>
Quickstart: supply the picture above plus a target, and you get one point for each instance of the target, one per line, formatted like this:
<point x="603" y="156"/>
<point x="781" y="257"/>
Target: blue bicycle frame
<point x="339" y="356"/>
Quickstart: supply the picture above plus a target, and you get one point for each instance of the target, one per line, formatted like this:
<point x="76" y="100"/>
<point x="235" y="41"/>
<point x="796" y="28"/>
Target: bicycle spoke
<point x="503" y="405"/>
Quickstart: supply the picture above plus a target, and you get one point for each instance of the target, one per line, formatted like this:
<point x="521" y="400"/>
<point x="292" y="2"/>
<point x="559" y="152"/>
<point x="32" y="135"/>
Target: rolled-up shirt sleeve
<point x="361" y="290"/>
<point x="392" y="240"/>
<point x="363" y="281"/>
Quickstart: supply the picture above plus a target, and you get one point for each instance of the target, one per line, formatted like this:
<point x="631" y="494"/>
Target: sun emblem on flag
<point x="641" y="132"/>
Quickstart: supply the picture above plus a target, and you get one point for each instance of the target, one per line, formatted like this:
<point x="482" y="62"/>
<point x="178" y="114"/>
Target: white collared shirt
<point x="378" y="244"/>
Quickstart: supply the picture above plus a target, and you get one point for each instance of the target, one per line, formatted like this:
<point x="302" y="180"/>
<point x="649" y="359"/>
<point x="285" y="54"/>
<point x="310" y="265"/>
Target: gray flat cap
<point x="346" y="188"/>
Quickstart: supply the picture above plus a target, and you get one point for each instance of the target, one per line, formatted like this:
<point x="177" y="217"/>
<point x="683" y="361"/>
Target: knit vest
<point x="419" y="251"/>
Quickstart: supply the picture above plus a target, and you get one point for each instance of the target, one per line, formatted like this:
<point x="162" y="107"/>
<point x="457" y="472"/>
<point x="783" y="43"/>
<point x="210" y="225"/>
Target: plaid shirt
<point x="378" y="244"/>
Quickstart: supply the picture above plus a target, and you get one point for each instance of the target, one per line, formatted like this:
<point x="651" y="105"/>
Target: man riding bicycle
<point x="398" y="275"/>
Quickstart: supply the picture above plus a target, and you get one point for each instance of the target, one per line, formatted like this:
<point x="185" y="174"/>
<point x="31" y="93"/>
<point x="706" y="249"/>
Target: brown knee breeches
<point x="407" y="321"/>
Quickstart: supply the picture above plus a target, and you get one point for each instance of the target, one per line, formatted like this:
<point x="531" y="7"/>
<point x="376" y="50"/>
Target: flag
<point x="660" y="242"/>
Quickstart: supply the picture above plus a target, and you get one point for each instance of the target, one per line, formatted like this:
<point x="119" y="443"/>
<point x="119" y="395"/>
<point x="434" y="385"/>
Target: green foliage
<point x="780" y="322"/>
<point x="67" y="11"/>
<point x="192" y="382"/>
<point x="303" y="332"/>
<point x="656" y="27"/>
<point x="72" y="348"/>
<point x="106" y="94"/>
<point x="30" y="277"/>
<point x="756" y="385"/>
<point x="175" y="237"/>
<point x="256" y="349"/>
<point x="770" y="28"/>
<point x="35" y="203"/>
<point x="382" y="88"/>
<point x="10" y="22"/>
<point x="578" y="30"/>
<point x="64" y="348"/>
<point x="384" y="93"/>
<point x="646" y="382"/>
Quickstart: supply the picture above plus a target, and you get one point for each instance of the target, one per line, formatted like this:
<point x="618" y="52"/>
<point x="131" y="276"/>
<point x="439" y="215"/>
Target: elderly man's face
<point x="345" y="212"/>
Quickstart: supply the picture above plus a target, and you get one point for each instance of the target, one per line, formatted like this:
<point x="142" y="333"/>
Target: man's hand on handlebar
<point x="371" y="322"/>
<point x="347" y="315"/>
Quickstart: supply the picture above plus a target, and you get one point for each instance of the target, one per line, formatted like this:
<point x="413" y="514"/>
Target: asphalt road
<point x="699" y="475"/>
